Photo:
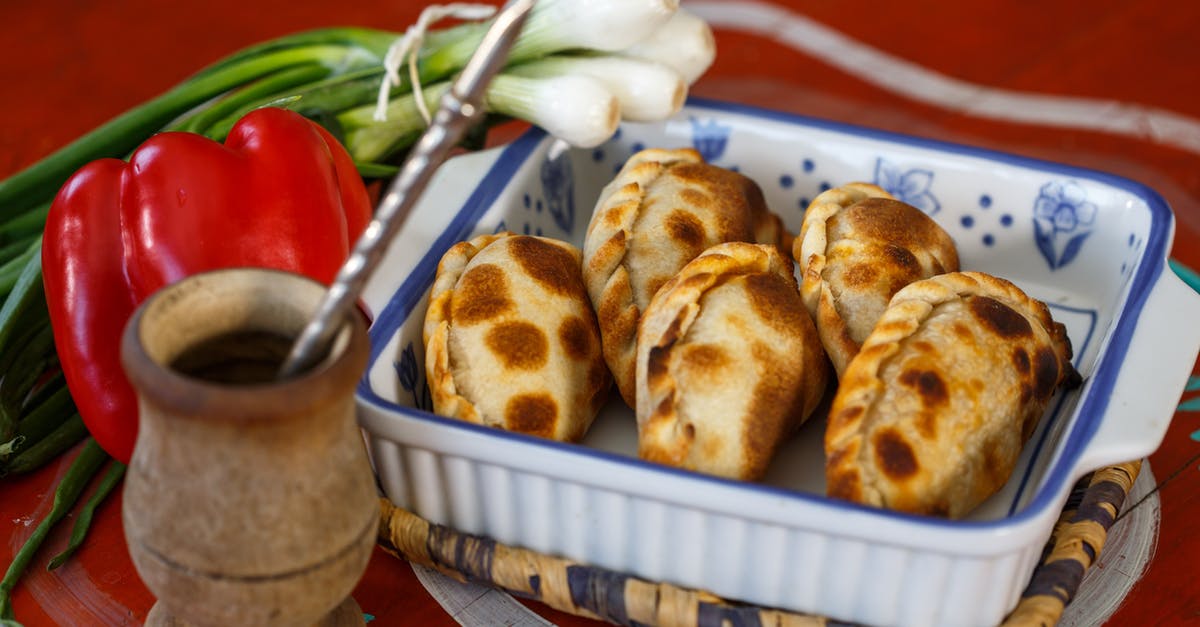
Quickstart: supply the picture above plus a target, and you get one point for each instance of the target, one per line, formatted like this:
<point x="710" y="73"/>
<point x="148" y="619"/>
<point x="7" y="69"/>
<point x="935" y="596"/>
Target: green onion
<point x="30" y="458"/>
<point x="575" y="108"/>
<point x="110" y="480"/>
<point x="44" y="418"/>
<point x="69" y="489"/>
<point x="645" y="90"/>
<point x="26" y="291"/>
<point x="685" y="43"/>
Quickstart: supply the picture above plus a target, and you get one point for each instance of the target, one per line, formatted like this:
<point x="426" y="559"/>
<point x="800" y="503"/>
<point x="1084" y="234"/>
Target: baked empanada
<point x="662" y="209"/>
<point x="511" y="340"/>
<point x="728" y="363"/>
<point x="857" y="247"/>
<point x="931" y="415"/>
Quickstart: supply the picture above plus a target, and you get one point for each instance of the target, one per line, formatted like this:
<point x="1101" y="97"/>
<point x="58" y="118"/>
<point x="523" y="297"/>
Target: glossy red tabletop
<point x="1106" y="84"/>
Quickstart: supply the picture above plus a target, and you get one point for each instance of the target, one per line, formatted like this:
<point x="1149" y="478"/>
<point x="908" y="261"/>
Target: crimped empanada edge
<point x="436" y="330"/>
<point x="667" y="320"/>
<point x="606" y="245"/>
<point x="905" y="313"/>
<point x="809" y="252"/>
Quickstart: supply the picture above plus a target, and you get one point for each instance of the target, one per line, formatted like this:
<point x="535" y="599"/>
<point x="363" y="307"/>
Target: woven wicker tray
<point x="584" y="590"/>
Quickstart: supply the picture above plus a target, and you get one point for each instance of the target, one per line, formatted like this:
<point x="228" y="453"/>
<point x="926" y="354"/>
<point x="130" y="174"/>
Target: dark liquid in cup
<point x="241" y="357"/>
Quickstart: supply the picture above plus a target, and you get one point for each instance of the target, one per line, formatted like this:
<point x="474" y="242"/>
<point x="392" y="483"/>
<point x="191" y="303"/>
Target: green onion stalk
<point x="577" y="69"/>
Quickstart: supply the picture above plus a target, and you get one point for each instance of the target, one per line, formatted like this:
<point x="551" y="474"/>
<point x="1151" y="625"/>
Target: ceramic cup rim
<point x="157" y="382"/>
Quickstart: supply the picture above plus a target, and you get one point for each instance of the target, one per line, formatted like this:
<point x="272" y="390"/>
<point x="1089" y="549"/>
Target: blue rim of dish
<point x="1092" y="406"/>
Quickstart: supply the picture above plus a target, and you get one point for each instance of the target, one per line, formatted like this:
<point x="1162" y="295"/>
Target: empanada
<point x="857" y="247"/>
<point x="728" y="363"/>
<point x="662" y="209"/>
<point x="931" y="415"/>
<point x="511" y="340"/>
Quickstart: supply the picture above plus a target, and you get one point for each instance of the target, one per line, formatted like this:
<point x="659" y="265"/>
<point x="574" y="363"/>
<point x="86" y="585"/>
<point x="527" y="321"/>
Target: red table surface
<point x="66" y="67"/>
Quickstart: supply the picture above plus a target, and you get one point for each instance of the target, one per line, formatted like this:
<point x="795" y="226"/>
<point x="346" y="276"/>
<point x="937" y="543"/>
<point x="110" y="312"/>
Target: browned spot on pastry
<point x="552" y="266"/>
<point x="922" y="346"/>
<point x="656" y="364"/>
<point x="842" y="483"/>
<point x="776" y="301"/>
<point x="534" y="414"/>
<point x="736" y="200"/>
<point x="1020" y="359"/>
<point x="928" y="385"/>
<point x="999" y="318"/>
<point x="927" y="422"/>
<point x="1045" y="373"/>
<point x="693" y="172"/>
<point x="905" y="262"/>
<point x="518" y="345"/>
<point x="576" y="337"/>
<point x="696" y="198"/>
<point x="848" y="414"/>
<point x="894" y="454"/>
<point x="707" y="359"/>
<point x="686" y="230"/>
<point x="962" y="331"/>
<point x="665" y="407"/>
<point x="481" y="295"/>
<point x="860" y="275"/>
<point x="895" y="221"/>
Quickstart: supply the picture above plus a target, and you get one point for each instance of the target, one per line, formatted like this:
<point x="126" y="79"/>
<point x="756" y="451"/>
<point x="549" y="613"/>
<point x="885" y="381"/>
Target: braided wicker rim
<point x="582" y="590"/>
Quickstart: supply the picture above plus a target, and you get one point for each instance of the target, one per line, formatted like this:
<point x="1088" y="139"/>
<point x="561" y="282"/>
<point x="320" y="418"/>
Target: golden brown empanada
<point x="662" y="209"/>
<point x="931" y="415"/>
<point x="728" y="363"/>
<point x="511" y="340"/>
<point x="857" y="247"/>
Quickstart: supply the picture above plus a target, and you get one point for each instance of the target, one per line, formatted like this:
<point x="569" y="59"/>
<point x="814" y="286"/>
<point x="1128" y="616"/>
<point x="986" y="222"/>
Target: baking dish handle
<point x="1155" y="369"/>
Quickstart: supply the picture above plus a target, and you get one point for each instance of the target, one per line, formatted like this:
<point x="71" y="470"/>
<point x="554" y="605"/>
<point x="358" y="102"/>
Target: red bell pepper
<point x="281" y="192"/>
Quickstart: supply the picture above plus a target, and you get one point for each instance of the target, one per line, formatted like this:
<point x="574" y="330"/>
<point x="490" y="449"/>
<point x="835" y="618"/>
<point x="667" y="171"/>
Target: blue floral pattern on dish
<point x="911" y="186"/>
<point x="710" y="138"/>
<point x="558" y="187"/>
<point x="1062" y="220"/>
<point x="410" y="378"/>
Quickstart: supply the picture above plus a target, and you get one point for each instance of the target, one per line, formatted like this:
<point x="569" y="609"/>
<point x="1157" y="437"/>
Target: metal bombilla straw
<point x="459" y="109"/>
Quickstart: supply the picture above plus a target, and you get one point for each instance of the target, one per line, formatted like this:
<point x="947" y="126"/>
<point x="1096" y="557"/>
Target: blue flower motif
<point x="911" y="186"/>
<point x="1062" y="221"/>
<point x="558" y="187"/>
<point x="709" y="138"/>
<point x="409" y="375"/>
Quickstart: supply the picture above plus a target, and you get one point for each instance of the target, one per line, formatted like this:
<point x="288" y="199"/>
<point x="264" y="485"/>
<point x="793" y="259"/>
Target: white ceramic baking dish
<point x="1091" y="245"/>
